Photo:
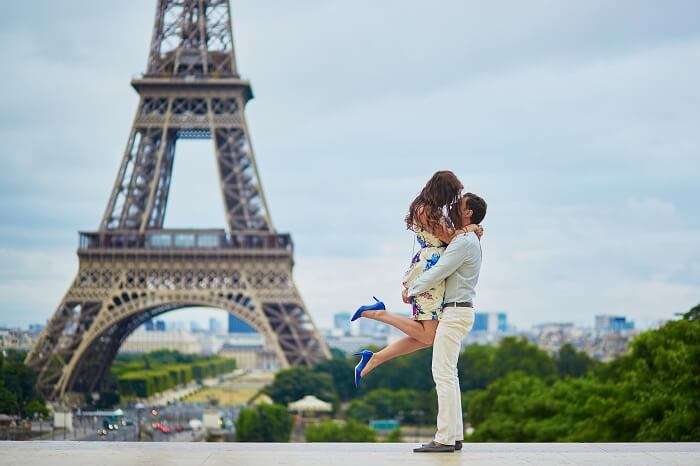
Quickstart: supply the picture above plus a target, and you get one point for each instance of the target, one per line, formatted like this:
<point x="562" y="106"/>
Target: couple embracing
<point x="440" y="285"/>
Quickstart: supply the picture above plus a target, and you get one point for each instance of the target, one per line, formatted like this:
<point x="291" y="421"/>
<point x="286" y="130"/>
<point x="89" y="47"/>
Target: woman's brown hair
<point x="442" y="189"/>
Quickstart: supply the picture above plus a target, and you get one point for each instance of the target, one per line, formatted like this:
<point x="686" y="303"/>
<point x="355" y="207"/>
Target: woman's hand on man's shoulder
<point x="477" y="229"/>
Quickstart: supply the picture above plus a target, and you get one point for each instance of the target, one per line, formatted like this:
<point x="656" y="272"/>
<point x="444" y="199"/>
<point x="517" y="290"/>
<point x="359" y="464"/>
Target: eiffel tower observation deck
<point x="132" y="269"/>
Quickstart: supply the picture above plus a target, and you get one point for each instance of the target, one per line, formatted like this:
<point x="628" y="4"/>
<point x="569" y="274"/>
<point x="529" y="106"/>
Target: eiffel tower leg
<point x="58" y="341"/>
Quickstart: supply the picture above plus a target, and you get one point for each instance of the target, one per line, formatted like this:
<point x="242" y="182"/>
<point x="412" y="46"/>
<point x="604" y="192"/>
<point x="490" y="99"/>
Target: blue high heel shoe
<point x="378" y="306"/>
<point x="366" y="355"/>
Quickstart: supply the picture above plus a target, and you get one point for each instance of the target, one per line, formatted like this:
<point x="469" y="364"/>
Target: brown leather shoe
<point x="458" y="445"/>
<point x="434" y="447"/>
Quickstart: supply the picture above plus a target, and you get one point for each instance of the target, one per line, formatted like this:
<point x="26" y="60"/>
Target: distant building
<point x="250" y="357"/>
<point x="177" y="325"/>
<point x="371" y="328"/>
<point x="195" y="327"/>
<point x="553" y="335"/>
<point x="481" y="322"/>
<point x="608" y="346"/>
<point x="350" y="343"/>
<point x="341" y="322"/>
<point x="215" y="326"/>
<point x="16" y="339"/>
<point x="612" y="324"/>
<point x="149" y="326"/>
<point x="608" y="340"/>
<point x="236" y="325"/>
<point x="490" y="322"/>
<point x="36" y="329"/>
<point x="142" y="341"/>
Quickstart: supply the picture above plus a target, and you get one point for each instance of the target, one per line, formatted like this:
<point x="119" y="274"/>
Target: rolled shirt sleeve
<point x="458" y="251"/>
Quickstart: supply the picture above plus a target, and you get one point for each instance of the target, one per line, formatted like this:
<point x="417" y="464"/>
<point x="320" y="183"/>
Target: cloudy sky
<point x="578" y="121"/>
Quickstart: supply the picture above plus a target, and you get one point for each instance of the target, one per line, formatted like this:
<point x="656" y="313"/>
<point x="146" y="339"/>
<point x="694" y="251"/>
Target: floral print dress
<point x="427" y="305"/>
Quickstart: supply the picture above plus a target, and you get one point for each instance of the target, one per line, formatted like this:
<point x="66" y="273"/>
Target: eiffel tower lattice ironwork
<point x="132" y="269"/>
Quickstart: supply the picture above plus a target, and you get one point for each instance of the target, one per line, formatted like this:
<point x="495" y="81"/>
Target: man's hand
<point x="405" y="297"/>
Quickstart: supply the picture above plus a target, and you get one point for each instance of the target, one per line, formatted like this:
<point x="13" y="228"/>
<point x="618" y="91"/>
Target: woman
<point x="433" y="232"/>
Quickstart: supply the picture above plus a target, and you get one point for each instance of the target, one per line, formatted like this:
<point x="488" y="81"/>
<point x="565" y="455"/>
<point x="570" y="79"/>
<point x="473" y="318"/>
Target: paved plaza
<point x="351" y="454"/>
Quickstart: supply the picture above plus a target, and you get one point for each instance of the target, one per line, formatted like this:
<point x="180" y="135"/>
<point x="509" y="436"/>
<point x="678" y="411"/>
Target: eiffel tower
<point x="132" y="269"/>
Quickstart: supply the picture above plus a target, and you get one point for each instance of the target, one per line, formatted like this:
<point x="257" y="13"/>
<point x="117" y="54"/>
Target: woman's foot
<point x="378" y="305"/>
<point x="374" y="314"/>
<point x="371" y="365"/>
<point x="365" y="356"/>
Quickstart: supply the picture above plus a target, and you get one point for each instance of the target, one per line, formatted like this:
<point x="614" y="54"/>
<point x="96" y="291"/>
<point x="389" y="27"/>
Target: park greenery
<point x="143" y="375"/>
<point x="515" y="392"/>
<point x="264" y="423"/>
<point x="18" y="394"/>
<point x="339" y="431"/>
<point x="651" y="394"/>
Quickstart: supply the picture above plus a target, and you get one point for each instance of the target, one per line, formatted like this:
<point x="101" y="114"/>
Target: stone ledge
<point x="352" y="454"/>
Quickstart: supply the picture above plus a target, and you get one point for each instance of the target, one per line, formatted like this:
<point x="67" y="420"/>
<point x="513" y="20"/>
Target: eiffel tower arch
<point x="132" y="269"/>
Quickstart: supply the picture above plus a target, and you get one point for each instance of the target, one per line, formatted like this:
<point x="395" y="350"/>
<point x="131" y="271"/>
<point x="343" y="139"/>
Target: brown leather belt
<point x="459" y="304"/>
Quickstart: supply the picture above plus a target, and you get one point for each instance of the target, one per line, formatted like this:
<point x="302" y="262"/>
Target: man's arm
<point x="458" y="251"/>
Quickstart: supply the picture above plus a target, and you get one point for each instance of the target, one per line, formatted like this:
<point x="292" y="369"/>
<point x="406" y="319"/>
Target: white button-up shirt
<point x="460" y="265"/>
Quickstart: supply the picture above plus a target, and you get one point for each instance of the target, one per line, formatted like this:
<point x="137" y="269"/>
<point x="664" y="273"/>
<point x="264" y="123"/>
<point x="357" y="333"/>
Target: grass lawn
<point x="225" y="396"/>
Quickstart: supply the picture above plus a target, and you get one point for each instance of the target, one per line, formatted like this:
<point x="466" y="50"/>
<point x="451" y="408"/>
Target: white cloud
<point x="577" y="121"/>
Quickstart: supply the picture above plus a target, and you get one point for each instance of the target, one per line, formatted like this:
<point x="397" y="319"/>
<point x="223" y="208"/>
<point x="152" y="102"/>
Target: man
<point x="459" y="265"/>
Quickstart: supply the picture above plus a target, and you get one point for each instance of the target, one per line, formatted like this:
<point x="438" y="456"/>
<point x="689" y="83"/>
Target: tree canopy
<point x="264" y="423"/>
<point x="18" y="394"/>
<point x="650" y="394"/>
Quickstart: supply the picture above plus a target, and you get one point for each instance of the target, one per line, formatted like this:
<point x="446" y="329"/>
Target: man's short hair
<point x="477" y="205"/>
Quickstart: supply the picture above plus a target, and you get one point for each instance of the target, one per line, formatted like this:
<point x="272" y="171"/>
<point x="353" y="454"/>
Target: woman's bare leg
<point x="398" y="348"/>
<point x="421" y="330"/>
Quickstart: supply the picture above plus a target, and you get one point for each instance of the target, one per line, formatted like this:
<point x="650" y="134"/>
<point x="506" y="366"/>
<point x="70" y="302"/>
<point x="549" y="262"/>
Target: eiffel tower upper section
<point x="191" y="89"/>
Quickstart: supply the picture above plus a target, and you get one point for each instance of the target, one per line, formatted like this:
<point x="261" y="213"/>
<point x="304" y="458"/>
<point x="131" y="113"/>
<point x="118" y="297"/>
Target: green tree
<point x="479" y="365"/>
<point x="36" y="407"/>
<point x="572" y="363"/>
<point x="395" y="436"/>
<point x="476" y="367"/>
<point x="335" y="431"/>
<point x="517" y="354"/>
<point x="340" y="369"/>
<point x="293" y="384"/>
<point x="18" y="385"/>
<point x="337" y="353"/>
<point x="412" y="406"/>
<point x="693" y="314"/>
<point x="661" y="389"/>
<point x="650" y="394"/>
<point x="522" y="408"/>
<point x="8" y="402"/>
<point x="407" y="372"/>
<point x="264" y="423"/>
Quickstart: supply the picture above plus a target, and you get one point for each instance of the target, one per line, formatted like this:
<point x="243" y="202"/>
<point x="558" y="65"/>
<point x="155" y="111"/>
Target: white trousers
<point x="454" y="325"/>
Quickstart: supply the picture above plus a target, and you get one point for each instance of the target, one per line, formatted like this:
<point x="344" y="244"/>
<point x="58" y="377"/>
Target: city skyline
<point x="194" y="320"/>
<point x="577" y="125"/>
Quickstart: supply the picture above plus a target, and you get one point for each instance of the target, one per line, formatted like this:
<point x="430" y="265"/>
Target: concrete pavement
<point x="350" y="454"/>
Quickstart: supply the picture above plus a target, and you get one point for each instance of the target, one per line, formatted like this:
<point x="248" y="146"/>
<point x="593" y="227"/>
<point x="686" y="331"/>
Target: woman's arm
<point x="458" y="252"/>
<point x="447" y="234"/>
<point x="443" y="231"/>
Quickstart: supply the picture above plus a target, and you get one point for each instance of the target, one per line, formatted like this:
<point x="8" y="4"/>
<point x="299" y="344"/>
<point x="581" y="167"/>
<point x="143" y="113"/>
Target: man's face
<point x="465" y="212"/>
